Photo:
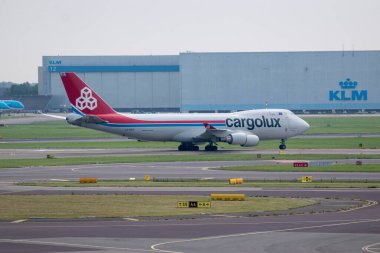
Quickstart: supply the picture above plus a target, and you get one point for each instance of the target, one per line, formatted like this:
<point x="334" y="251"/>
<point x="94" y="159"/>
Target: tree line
<point x="24" y="89"/>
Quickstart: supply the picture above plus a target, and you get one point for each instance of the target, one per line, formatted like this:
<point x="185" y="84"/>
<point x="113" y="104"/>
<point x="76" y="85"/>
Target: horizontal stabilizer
<point x="76" y="119"/>
<point x="93" y="119"/>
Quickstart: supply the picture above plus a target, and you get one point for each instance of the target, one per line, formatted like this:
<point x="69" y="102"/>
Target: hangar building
<point x="209" y="82"/>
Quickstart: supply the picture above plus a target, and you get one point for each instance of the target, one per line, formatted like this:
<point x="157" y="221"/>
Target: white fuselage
<point x="184" y="127"/>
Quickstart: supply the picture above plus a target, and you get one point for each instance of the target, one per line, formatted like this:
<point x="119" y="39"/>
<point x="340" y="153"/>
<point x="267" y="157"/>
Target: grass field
<point x="15" y="207"/>
<point x="60" y="129"/>
<point x="343" y="125"/>
<point x="49" y="129"/>
<point x="31" y="162"/>
<point x="296" y="183"/>
<point x="331" y="143"/>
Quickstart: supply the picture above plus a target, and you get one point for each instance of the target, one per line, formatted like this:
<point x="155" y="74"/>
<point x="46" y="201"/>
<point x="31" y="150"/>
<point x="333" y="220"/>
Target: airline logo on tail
<point x="83" y="99"/>
<point x="86" y="100"/>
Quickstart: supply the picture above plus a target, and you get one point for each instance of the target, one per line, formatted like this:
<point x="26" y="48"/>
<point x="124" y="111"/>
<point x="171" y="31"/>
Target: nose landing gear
<point x="282" y="145"/>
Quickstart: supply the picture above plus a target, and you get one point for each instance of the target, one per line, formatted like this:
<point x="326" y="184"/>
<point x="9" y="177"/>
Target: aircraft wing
<point x="211" y="133"/>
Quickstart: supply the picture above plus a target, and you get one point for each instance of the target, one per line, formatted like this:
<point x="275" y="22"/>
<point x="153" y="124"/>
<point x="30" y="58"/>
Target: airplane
<point x="12" y="105"/>
<point x="4" y="106"/>
<point x="244" y="128"/>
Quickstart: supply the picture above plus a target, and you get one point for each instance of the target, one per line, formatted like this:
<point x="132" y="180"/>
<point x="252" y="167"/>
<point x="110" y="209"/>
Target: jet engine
<point x="242" y="139"/>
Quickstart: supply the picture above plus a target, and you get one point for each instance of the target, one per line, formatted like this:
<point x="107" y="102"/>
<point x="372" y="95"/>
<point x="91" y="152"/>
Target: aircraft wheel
<point x="211" y="148"/>
<point x="181" y="147"/>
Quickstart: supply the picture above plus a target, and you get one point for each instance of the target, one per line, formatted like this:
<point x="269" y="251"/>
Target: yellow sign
<point x="194" y="204"/>
<point x="227" y="196"/>
<point x="307" y="179"/>
<point x="184" y="204"/>
<point x="147" y="178"/>
<point x="204" y="204"/>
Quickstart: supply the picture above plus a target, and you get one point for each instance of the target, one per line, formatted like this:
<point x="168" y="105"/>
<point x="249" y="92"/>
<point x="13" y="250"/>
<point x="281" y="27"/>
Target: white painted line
<point x="369" y="204"/>
<point x="59" y="180"/>
<point x="67" y="244"/>
<point x="227" y="216"/>
<point x="131" y="219"/>
<point x="371" y="249"/>
<point x="18" y="221"/>
<point x="154" y="247"/>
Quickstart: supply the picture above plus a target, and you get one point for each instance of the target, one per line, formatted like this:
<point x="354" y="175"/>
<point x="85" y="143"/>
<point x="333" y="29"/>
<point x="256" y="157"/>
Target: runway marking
<point x="223" y="215"/>
<point x="198" y="224"/>
<point x="131" y="219"/>
<point x="59" y="180"/>
<point x="154" y="246"/>
<point x="18" y="221"/>
<point x="369" y="204"/>
<point x="371" y="249"/>
<point x="68" y="244"/>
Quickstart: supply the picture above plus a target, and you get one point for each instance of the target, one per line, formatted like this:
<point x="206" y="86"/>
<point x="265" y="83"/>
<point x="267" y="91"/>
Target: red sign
<point x="300" y="164"/>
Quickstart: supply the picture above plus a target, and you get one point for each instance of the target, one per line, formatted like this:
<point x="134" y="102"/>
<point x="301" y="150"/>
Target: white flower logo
<point x="86" y="100"/>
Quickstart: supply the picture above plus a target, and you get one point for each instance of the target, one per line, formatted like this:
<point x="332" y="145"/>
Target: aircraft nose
<point x="304" y="126"/>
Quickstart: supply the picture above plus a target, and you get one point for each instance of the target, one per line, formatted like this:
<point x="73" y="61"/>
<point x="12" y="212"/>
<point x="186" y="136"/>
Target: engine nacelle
<point x="242" y="139"/>
<point x="73" y="119"/>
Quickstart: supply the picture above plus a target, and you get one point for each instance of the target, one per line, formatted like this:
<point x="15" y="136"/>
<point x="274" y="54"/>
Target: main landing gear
<point x="211" y="147"/>
<point x="282" y="145"/>
<point x="187" y="146"/>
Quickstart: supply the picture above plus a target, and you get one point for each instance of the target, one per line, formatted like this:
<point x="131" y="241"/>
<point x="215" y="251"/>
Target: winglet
<point x="83" y="99"/>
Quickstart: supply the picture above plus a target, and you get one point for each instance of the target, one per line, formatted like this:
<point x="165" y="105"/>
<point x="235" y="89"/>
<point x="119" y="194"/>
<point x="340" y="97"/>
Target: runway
<point x="177" y="170"/>
<point x="329" y="232"/>
<point x="345" y="231"/>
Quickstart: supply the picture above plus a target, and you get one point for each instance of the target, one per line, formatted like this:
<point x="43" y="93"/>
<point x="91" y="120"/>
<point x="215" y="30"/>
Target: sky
<point x="30" y="29"/>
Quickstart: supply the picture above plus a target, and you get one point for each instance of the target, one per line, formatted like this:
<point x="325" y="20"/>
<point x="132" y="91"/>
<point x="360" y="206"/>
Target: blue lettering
<point x="334" y="95"/>
<point x="343" y="96"/>
<point x="228" y="122"/>
<point x="356" y="95"/>
<point x="55" y="62"/>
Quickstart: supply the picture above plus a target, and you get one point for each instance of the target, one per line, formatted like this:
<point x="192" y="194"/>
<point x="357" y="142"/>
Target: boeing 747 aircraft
<point x="245" y="128"/>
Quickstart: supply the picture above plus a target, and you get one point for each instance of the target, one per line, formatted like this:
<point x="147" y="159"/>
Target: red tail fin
<point x="82" y="97"/>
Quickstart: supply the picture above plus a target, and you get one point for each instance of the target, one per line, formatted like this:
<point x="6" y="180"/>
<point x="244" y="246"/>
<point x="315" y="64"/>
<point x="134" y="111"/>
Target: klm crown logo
<point x="345" y="95"/>
<point x="348" y="84"/>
